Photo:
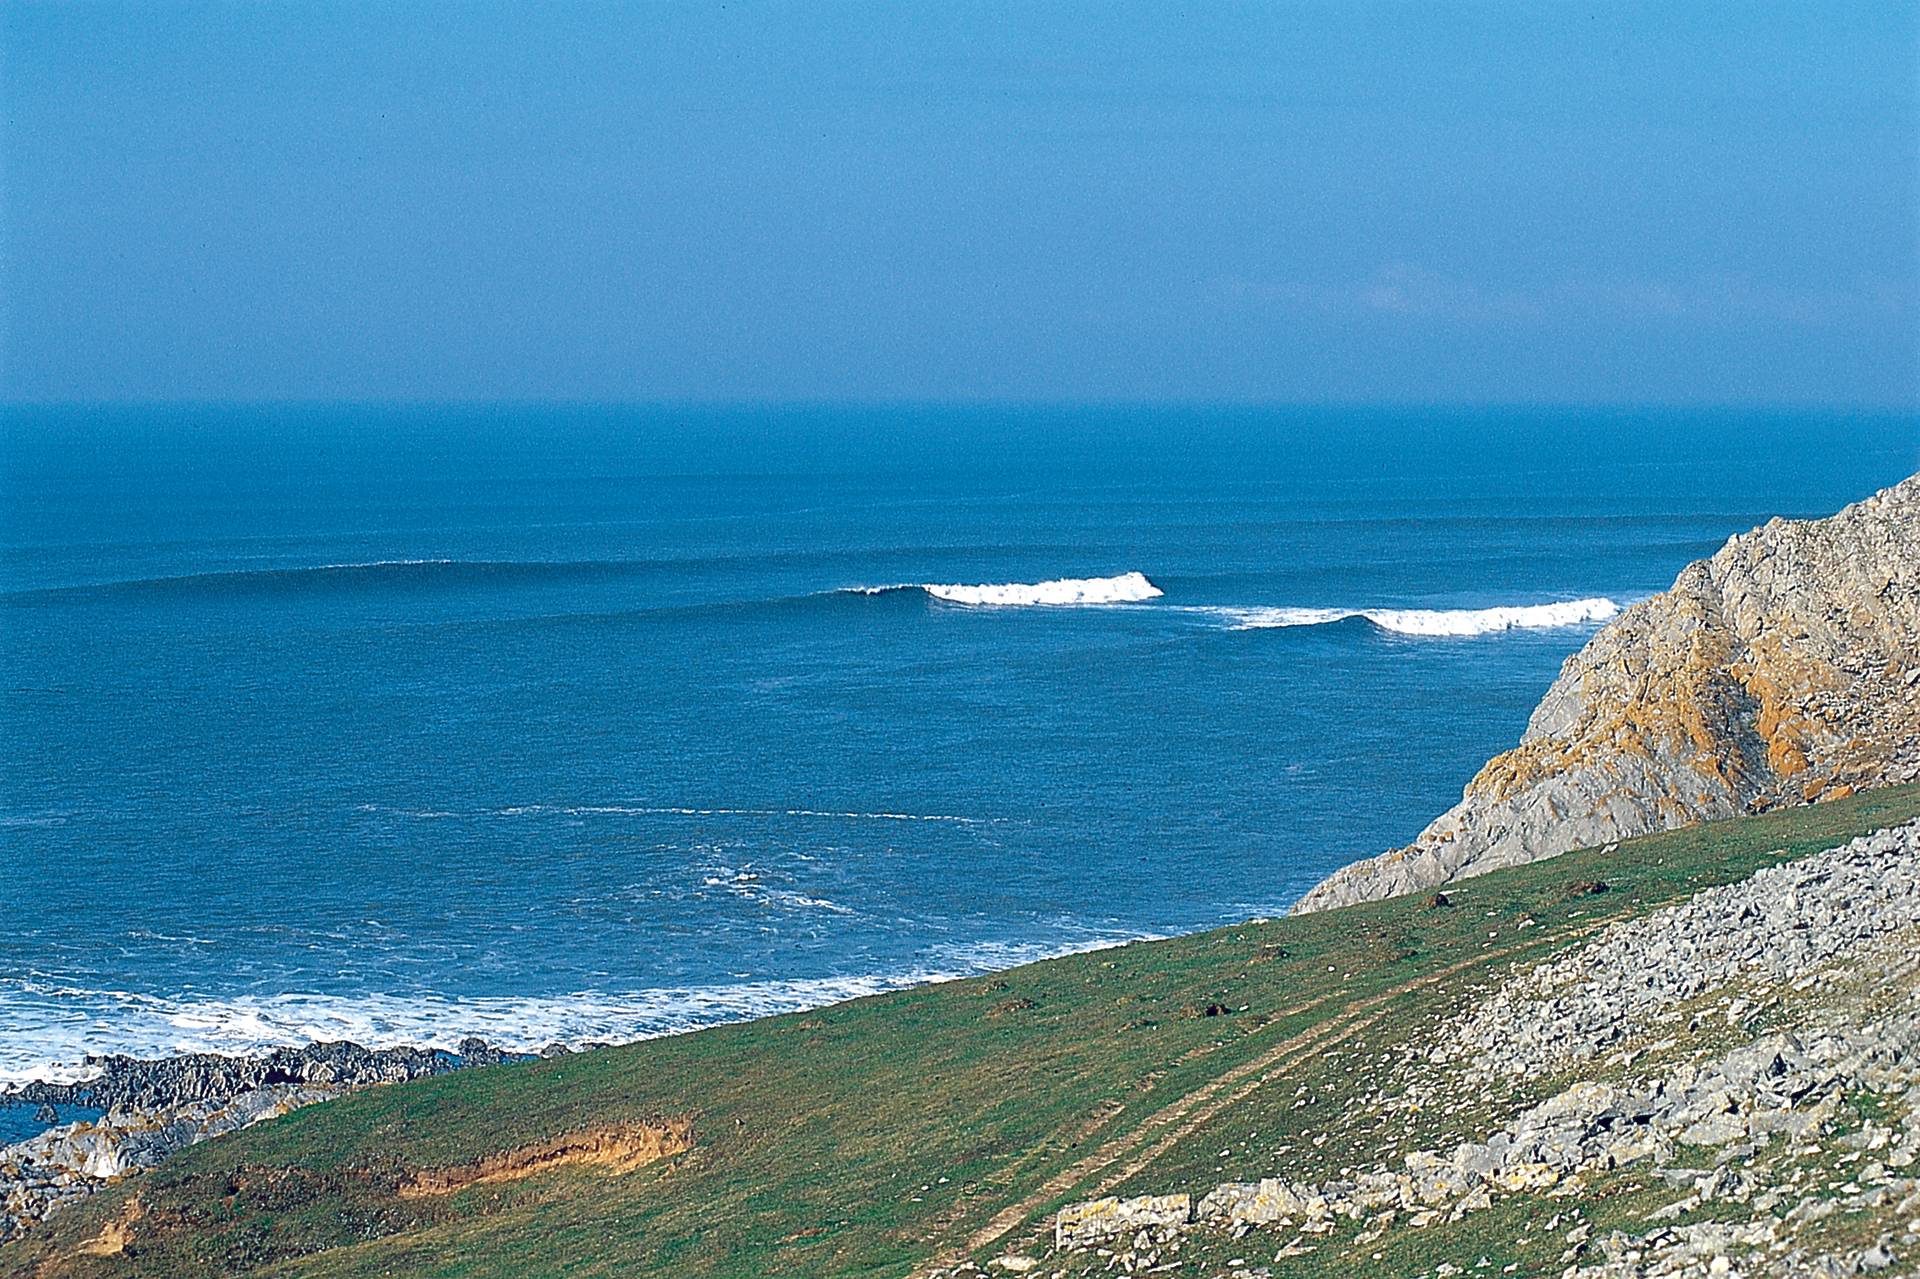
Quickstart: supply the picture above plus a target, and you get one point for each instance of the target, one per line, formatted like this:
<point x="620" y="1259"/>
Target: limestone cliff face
<point x="1783" y="670"/>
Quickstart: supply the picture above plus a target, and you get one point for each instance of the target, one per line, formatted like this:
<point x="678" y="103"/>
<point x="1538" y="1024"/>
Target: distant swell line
<point x="413" y="572"/>
<point x="1122" y="591"/>
<point x="670" y="810"/>
<point x="310" y="576"/>
<point x="681" y="810"/>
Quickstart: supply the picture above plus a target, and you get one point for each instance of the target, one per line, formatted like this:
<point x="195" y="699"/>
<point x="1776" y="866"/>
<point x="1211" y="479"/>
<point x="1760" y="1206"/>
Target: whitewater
<point x="1439" y="623"/>
<point x="1135" y="587"/>
<point x="1059" y="592"/>
<point x="43" y="1038"/>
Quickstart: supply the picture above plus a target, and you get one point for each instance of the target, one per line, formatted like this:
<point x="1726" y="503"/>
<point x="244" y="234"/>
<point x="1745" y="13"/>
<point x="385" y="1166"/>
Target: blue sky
<point x="1539" y="202"/>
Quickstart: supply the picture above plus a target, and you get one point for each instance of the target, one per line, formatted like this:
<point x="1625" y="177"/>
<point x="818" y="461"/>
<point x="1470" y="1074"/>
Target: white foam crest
<point x="1446" y="622"/>
<point x="1127" y="588"/>
<point x="47" y="1032"/>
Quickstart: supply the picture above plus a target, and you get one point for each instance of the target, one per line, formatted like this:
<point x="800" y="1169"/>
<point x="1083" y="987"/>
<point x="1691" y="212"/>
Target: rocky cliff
<point x="1783" y="670"/>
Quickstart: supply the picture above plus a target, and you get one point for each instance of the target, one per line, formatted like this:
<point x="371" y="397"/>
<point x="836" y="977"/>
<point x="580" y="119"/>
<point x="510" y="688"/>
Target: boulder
<point x="1082" y="1224"/>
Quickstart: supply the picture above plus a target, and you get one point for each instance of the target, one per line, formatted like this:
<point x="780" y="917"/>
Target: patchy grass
<point x="872" y="1136"/>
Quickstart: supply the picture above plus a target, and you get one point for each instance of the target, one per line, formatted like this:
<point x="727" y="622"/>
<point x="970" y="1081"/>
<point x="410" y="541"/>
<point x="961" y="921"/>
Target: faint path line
<point x="1181" y="1112"/>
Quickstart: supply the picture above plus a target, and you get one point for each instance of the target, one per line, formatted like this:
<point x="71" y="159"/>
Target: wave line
<point x="1059" y="592"/>
<point x="1426" y="622"/>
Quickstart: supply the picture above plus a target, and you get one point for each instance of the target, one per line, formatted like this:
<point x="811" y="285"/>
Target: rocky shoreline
<point x="1708" y="1064"/>
<point x="156" y="1107"/>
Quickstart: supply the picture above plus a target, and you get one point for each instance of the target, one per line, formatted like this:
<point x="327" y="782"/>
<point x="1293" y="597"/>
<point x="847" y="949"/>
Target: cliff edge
<point x="1783" y="670"/>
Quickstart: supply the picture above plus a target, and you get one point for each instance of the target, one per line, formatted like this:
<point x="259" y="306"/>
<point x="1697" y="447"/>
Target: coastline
<point x="140" y="1111"/>
<point x="123" y="1114"/>
<point x="107" y="1079"/>
<point x="852" y="1109"/>
<point x="256" y="1027"/>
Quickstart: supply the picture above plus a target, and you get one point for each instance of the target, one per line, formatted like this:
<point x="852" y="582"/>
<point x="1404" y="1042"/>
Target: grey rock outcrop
<point x="135" y="1083"/>
<point x="1783" y="670"/>
<point x="66" y="1163"/>
<point x="156" y="1108"/>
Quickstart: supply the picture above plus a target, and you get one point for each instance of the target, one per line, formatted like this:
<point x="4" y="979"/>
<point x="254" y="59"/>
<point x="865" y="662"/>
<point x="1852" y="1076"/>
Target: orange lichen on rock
<point x="1677" y="708"/>
<point x="1782" y="686"/>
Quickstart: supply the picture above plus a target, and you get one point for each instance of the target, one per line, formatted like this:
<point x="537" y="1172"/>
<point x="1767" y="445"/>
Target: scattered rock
<point x="1774" y="927"/>
<point x="1750" y="1125"/>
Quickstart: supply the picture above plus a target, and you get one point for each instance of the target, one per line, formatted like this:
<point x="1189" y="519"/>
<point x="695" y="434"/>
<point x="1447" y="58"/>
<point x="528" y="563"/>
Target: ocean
<point x="401" y="724"/>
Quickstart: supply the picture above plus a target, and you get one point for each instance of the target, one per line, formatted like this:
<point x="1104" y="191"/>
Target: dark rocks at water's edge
<point x="133" y="1083"/>
<point x="154" y="1108"/>
<point x="478" y="1052"/>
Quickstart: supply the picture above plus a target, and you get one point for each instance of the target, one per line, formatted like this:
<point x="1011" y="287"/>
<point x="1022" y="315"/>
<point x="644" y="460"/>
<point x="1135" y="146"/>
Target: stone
<point x="1083" y="1224"/>
<point x="478" y="1052"/>
<point x="121" y="1082"/>
<point x="1715" y="1130"/>
<point x="1267" y="1200"/>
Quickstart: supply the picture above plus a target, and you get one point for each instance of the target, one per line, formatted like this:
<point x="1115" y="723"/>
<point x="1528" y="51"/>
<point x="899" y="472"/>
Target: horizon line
<point x="740" y="404"/>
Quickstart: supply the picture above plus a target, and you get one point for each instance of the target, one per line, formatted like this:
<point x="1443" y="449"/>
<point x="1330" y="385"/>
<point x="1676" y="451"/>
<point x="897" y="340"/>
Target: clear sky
<point x="1408" y="202"/>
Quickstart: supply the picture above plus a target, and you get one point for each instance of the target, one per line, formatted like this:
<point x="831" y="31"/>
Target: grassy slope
<point x="869" y="1137"/>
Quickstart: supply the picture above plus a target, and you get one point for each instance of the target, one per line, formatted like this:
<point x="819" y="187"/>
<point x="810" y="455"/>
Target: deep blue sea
<point x="402" y="724"/>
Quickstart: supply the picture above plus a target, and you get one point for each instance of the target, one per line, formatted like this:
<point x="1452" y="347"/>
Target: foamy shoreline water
<point x="154" y="1028"/>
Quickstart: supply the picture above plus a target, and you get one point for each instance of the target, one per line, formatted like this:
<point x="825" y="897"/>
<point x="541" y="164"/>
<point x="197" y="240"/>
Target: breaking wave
<point x="1060" y="592"/>
<point x="1429" y="622"/>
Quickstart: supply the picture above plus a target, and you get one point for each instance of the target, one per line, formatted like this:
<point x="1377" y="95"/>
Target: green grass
<point x="869" y="1137"/>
